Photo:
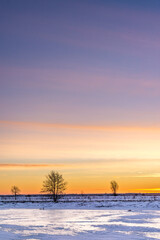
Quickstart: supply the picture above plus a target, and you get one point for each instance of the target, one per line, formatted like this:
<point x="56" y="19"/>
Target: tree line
<point x="56" y="185"/>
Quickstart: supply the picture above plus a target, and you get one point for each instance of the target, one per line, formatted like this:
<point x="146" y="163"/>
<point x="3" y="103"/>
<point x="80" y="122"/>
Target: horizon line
<point x="120" y="193"/>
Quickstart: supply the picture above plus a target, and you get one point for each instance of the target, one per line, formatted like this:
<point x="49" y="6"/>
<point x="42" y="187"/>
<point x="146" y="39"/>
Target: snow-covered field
<point x="93" y="217"/>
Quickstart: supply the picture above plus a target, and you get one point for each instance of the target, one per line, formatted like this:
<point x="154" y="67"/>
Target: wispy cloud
<point x="150" y="175"/>
<point x="9" y="165"/>
<point x="79" y="127"/>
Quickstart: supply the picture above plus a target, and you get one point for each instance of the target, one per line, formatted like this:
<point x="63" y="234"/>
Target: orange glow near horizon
<point x="88" y="157"/>
<point x="149" y="190"/>
<point x="81" y="177"/>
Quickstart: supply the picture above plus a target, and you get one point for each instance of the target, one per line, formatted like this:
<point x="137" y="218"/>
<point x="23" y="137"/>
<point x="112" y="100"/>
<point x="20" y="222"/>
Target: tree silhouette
<point x="15" y="190"/>
<point x="54" y="184"/>
<point x="114" y="187"/>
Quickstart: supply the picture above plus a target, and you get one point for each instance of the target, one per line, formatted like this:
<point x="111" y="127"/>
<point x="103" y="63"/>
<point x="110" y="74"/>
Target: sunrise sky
<point x="80" y="94"/>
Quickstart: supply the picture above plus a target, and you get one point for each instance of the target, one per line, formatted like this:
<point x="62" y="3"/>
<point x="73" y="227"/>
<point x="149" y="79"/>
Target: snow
<point x="81" y="218"/>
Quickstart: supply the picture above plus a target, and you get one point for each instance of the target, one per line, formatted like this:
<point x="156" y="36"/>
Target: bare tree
<point x="54" y="184"/>
<point x="114" y="187"/>
<point x="15" y="190"/>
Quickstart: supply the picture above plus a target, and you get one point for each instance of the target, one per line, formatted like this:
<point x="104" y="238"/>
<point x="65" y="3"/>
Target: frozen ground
<point x="81" y="220"/>
<point x="78" y="224"/>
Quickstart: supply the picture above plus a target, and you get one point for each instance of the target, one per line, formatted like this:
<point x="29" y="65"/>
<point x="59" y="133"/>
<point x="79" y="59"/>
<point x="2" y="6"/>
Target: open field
<point x="142" y="201"/>
<point x="80" y="217"/>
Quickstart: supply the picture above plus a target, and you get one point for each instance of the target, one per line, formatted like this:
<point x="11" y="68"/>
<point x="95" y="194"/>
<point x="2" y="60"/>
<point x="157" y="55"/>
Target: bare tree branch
<point x="54" y="184"/>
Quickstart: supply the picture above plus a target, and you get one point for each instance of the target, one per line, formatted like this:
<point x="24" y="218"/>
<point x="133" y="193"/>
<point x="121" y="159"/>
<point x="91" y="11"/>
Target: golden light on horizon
<point x="87" y="176"/>
<point x="88" y="157"/>
<point x="149" y="190"/>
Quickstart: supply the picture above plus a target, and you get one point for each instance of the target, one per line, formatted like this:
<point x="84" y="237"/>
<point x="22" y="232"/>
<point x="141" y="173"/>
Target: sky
<point x="80" y="94"/>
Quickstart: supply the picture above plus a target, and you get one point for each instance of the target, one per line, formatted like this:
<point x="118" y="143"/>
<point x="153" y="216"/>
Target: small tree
<point x="114" y="187"/>
<point x="15" y="190"/>
<point x="54" y="184"/>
